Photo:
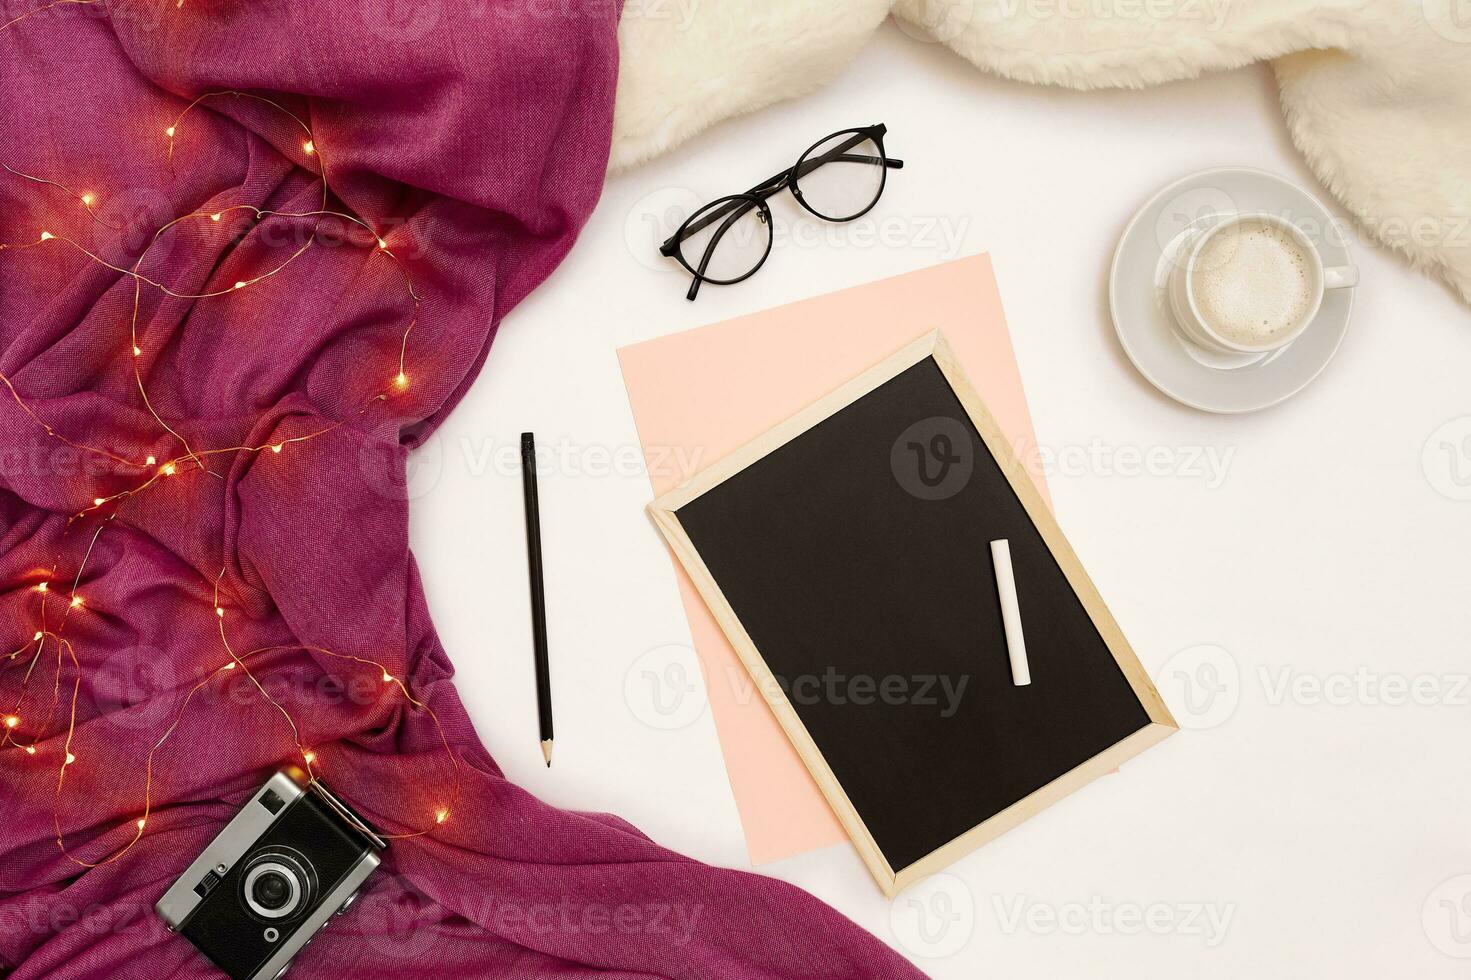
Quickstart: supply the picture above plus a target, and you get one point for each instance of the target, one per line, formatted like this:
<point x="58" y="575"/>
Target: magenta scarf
<point x="473" y="138"/>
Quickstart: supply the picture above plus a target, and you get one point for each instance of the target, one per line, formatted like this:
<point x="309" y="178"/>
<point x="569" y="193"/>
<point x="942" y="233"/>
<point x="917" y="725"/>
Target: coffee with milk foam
<point x="1253" y="282"/>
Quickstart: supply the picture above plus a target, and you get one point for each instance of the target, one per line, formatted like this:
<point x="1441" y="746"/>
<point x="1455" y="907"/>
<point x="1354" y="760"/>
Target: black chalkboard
<point x="855" y="557"/>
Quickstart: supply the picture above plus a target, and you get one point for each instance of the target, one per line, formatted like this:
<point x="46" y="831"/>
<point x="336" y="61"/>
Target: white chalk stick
<point x="1011" y="614"/>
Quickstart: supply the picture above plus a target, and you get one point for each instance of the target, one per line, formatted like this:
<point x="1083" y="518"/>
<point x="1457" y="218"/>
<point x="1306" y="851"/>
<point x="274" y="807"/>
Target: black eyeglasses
<point x="839" y="178"/>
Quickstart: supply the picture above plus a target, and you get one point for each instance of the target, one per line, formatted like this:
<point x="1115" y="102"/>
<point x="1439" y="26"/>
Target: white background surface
<point x="1303" y="606"/>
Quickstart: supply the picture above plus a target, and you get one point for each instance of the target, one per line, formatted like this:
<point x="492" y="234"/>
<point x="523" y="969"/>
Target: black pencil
<point x="538" y="594"/>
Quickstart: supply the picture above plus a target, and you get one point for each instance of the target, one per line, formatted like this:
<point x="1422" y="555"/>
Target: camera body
<point x="293" y="857"/>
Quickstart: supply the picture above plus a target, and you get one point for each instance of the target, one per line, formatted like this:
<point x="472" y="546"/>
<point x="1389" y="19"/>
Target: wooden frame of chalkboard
<point x="1066" y="700"/>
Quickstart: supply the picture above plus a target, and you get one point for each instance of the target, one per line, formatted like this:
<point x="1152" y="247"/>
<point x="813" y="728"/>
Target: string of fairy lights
<point x="59" y="597"/>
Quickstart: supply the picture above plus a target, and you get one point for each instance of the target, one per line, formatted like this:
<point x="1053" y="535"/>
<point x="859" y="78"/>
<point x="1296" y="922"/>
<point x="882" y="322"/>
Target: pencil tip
<point x="546" y="751"/>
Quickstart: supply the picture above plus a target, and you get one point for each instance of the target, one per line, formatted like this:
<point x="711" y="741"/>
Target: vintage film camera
<point x="292" y="858"/>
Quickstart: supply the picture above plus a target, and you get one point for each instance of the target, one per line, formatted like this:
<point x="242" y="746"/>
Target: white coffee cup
<point x="1301" y="290"/>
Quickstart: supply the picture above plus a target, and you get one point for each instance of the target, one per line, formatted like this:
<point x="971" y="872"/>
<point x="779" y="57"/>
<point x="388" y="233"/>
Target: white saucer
<point x="1227" y="383"/>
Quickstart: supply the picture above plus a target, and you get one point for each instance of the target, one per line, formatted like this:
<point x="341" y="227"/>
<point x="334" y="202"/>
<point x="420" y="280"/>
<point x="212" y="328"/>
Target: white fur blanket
<point x="1377" y="93"/>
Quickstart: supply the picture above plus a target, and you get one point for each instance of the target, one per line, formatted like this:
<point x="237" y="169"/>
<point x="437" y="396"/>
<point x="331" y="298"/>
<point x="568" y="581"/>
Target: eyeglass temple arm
<point x="840" y="152"/>
<point x="772" y="185"/>
<point x="893" y="163"/>
<point x="739" y="207"/>
<point x="709" y="251"/>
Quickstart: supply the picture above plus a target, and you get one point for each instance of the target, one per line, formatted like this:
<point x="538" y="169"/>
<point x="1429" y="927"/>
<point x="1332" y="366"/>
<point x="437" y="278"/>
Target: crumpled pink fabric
<point x="474" y="138"/>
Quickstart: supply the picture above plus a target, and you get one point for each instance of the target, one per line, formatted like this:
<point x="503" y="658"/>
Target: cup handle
<point x="1340" y="276"/>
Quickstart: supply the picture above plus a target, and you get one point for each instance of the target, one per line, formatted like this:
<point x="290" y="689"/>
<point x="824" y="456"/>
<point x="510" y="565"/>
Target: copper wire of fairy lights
<point x="19" y="731"/>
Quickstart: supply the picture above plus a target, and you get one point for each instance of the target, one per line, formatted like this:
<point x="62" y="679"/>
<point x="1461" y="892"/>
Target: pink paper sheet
<point x="700" y="394"/>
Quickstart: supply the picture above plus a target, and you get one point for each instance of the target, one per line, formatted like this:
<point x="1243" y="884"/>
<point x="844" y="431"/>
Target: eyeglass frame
<point x="741" y="204"/>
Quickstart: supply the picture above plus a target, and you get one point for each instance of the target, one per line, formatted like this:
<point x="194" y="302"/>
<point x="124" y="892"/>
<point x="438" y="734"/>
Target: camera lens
<point x="272" y="890"/>
<point x="278" y="885"/>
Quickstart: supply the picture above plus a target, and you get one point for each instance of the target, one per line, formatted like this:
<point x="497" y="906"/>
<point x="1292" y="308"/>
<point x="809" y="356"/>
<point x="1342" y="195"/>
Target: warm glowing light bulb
<point x="98" y="501"/>
<point x="230" y="665"/>
<point x="43" y="587"/>
<point x="70" y="758"/>
<point x="402" y="380"/>
<point x="169" y="132"/>
<point x="11" y="721"/>
<point x="309" y="756"/>
<point x="137" y="351"/>
<point x="220" y="612"/>
<point x="87" y="199"/>
<point x="441" y="815"/>
<point x="76" y="601"/>
<point x="309" y="147"/>
<point x="36" y="636"/>
<point x="215" y="216"/>
<point x="276" y="448"/>
<point x="168" y="469"/>
<point x="46" y="236"/>
<point x="141" y="822"/>
<point x="387" y="677"/>
<point x="382" y="244"/>
<point x="240" y="285"/>
<point x="30" y="750"/>
<point x="150" y="461"/>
